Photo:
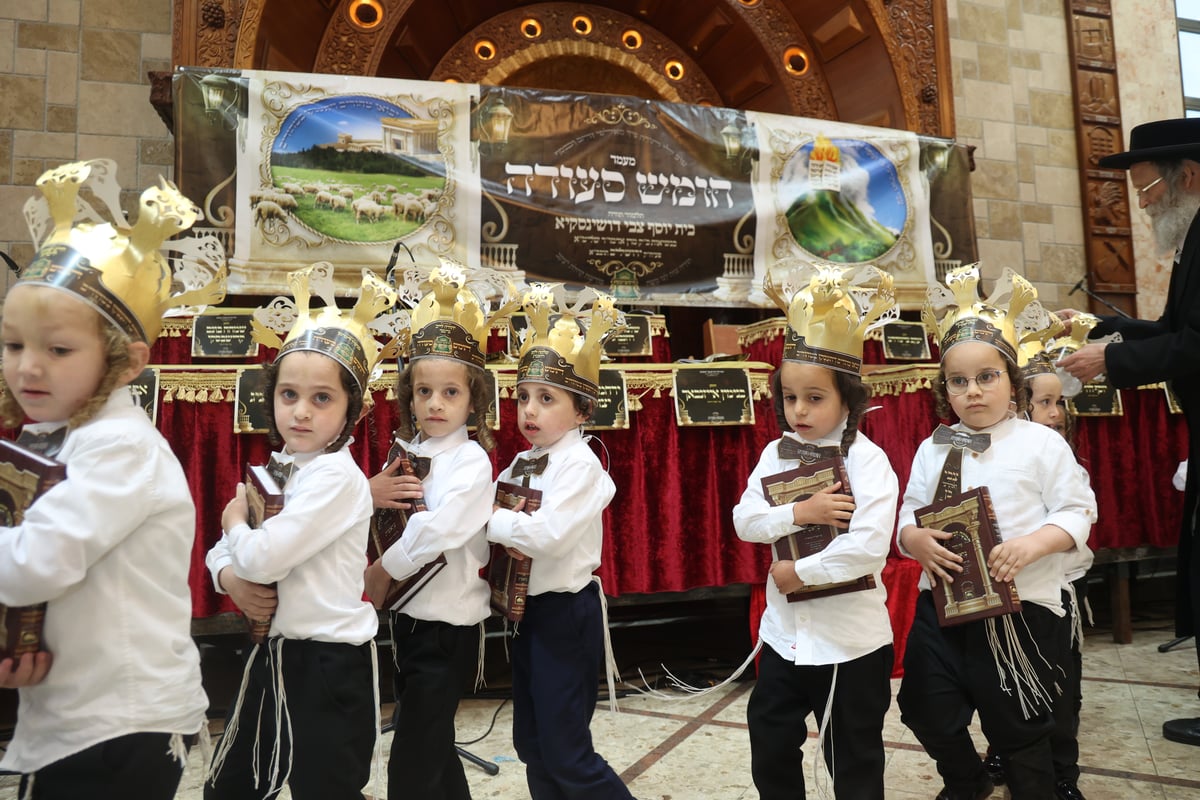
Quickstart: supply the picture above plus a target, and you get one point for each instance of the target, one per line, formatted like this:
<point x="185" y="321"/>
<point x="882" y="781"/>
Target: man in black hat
<point x="1164" y="167"/>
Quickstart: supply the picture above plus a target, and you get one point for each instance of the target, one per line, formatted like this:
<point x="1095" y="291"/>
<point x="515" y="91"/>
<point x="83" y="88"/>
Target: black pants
<point x="137" y="765"/>
<point x="782" y="700"/>
<point x="331" y="706"/>
<point x="1064" y="740"/>
<point x="433" y="662"/>
<point x="557" y="653"/>
<point x="949" y="673"/>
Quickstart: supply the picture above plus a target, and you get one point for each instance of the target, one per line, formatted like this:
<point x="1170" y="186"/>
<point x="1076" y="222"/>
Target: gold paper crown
<point x="450" y="321"/>
<point x="992" y="321"/>
<point x="560" y="354"/>
<point x="829" y="310"/>
<point x="117" y="269"/>
<point x="1035" y="328"/>
<point x="346" y="338"/>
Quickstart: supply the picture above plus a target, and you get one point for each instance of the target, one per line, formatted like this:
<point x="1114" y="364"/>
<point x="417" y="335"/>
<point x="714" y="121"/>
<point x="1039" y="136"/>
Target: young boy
<point x="1004" y="667"/>
<point x="109" y="710"/>
<point x="559" y="645"/>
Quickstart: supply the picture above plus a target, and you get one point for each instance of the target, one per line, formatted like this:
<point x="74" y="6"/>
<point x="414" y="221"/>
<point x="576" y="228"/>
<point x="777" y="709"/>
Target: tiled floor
<point x="699" y="750"/>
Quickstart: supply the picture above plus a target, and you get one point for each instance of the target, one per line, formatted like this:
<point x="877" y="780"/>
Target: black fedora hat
<point x="1164" y="140"/>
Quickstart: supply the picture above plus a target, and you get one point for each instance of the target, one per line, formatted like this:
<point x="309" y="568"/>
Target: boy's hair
<point x="116" y="359"/>
<point x="354" y="405"/>
<point x="853" y="392"/>
<point x="1016" y="378"/>
<point x="479" y="388"/>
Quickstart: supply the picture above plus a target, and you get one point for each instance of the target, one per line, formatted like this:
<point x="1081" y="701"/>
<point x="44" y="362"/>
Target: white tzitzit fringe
<point x="692" y="692"/>
<point x="611" y="673"/>
<point x="479" y="682"/>
<point x="1013" y="662"/>
<point x="231" y="723"/>
<point x="378" y="756"/>
<point x="1076" y="618"/>
<point x="823" y="723"/>
<point x="282" y="719"/>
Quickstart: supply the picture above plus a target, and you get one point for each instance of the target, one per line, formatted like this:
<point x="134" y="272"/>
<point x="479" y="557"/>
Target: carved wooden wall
<point x="1108" y="240"/>
<point x="881" y="62"/>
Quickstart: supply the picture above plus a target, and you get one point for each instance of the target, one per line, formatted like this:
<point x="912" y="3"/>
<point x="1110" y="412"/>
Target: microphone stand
<point x="1082" y="287"/>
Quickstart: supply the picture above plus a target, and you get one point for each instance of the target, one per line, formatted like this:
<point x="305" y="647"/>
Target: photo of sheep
<point x="353" y="168"/>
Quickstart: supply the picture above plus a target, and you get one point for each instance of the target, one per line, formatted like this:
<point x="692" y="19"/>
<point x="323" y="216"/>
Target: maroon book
<point x="387" y="527"/>
<point x="264" y="496"/>
<point x="24" y="477"/>
<point x="974" y="594"/>
<point x="793" y="485"/>
<point x="508" y="577"/>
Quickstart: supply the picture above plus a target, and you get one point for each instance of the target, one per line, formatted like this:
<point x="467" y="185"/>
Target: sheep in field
<point x="267" y="210"/>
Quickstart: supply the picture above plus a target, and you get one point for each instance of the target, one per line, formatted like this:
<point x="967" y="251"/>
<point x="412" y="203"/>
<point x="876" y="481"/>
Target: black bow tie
<point x="280" y="470"/>
<point x="420" y="465"/>
<point x="805" y="452"/>
<point x="977" y="442"/>
<point x="44" y="444"/>
<point x="533" y="466"/>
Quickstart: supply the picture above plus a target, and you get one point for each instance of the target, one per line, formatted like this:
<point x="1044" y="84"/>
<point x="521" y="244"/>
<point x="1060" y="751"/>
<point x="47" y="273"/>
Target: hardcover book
<point x="974" y="594"/>
<point x="387" y="526"/>
<point x="24" y="476"/>
<point x="793" y="485"/>
<point x="508" y="577"/>
<point x="264" y="496"/>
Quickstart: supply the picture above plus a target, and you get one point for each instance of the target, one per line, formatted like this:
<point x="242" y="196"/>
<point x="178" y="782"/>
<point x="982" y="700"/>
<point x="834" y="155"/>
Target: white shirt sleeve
<point x="463" y="508"/>
<point x="109" y="488"/>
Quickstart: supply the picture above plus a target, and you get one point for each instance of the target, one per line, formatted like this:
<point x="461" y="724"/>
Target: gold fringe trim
<point x="900" y="380"/>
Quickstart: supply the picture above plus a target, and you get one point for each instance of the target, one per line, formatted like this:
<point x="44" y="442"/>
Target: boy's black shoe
<point x="982" y="792"/>
<point x="995" y="768"/>
<point x="1066" y="790"/>
<point x="1184" y="731"/>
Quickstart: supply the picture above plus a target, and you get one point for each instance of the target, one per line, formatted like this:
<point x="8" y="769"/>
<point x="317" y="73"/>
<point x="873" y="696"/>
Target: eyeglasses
<point x="1142" y="191"/>
<point x="988" y="379"/>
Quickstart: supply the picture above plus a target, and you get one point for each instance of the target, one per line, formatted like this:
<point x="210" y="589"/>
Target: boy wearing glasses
<point x="1005" y="667"/>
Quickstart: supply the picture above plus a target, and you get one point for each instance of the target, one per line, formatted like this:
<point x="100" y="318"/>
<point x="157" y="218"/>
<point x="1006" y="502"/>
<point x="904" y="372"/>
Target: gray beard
<point x="1172" y="223"/>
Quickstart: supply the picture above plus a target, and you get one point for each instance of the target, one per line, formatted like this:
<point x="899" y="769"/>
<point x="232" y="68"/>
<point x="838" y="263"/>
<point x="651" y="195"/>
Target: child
<point x="827" y="656"/>
<point x="112" y="705"/>
<point x="436" y="636"/>
<point x="307" y="712"/>
<point x="559" y="642"/>
<point x="1005" y="668"/>
<point x="1047" y="407"/>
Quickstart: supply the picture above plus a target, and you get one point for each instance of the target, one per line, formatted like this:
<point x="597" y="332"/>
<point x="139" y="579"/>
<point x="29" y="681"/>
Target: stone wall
<point x="1013" y="101"/>
<point x="74" y="86"/>
<point x="73" y="79"/>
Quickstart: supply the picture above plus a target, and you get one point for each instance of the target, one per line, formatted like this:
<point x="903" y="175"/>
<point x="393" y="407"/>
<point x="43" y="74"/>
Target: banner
<point x="656" y="203"/>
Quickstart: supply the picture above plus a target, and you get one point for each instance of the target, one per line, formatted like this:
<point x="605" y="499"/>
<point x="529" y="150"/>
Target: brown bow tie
<point x="417" y="465"/>
<point x="533" y="466"/>
<point x="280" y="470"/>
<point x="44" y="444"/>
<point x="978" y="442"/>
<point x="804" y="452"/>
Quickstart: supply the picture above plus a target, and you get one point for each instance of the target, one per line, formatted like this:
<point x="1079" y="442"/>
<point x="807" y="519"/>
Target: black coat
<point x="1168" y="349"/>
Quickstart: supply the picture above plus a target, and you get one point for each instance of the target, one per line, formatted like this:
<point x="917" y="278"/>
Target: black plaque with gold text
<point x="612" y="407"/>
<point x="222" y="336"/>
<point x="1097" y="399"/>
<point x="905" y="341"/>
<point x="713" y="396"/>
<point x="250" y="403"/>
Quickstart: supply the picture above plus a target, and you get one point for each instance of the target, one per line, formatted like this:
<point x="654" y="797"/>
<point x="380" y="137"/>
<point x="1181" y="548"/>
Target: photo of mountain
<point x="849" y="207"/>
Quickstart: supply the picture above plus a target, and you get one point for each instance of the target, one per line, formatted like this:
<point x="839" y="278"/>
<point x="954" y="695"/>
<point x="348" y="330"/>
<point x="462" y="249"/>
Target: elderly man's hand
<point x="1085" y="363"/>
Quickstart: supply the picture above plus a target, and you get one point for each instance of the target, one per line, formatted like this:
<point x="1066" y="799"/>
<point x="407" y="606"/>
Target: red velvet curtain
<point x="670" y="528"/>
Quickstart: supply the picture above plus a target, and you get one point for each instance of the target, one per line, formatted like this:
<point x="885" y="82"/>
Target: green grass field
<point x="340" y="224"/>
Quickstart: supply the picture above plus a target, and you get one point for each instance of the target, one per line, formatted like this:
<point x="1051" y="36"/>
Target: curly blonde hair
<point x="117" y="361"/>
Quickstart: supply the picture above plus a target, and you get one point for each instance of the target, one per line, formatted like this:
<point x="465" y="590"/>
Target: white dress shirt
<point x="458" y="493"/>
<point x="565" y="536"/>
<point x="314" y="550"/>
<point x="109" y="550"/>
<point x="839" y="628"/>
<point x="1033" y="479"/>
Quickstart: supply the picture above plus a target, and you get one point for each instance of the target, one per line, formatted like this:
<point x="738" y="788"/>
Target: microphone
<point x="1077" y="286"/>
